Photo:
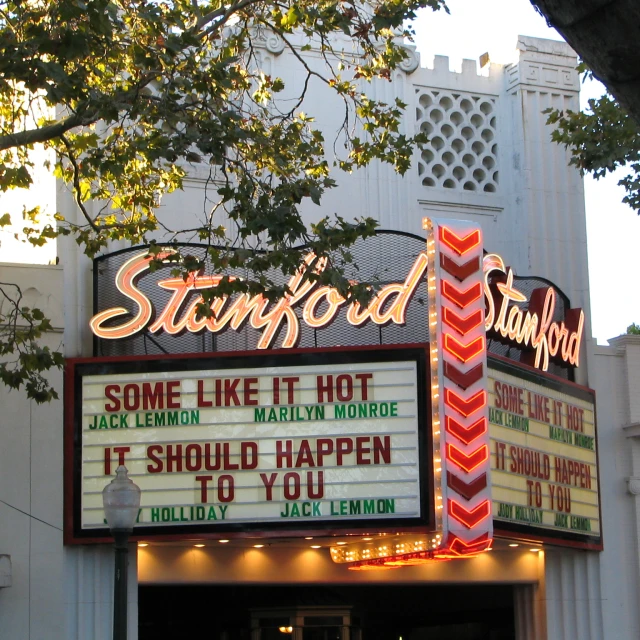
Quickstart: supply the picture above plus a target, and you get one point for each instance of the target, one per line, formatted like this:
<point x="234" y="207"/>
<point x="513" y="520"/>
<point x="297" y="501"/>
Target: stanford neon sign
<point x="533" y="328"/>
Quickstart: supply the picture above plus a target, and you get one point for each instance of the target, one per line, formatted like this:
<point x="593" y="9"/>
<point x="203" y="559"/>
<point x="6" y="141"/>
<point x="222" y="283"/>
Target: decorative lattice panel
<point x="462" y="152"/>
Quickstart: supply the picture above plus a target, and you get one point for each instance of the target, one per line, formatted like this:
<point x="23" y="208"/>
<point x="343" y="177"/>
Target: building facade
<point x="490" y="162"/>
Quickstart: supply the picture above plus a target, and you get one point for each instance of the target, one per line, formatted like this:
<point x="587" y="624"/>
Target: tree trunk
<point x="605" y="34"/>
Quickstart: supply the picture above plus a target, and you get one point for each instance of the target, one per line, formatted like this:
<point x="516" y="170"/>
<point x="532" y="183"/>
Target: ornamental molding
<point x="633" y="485"/>
<point x="544" y="46"/>
<point x="632" y="430"/>
<point x="267" y="39"/>
<point x="411" y="62"/>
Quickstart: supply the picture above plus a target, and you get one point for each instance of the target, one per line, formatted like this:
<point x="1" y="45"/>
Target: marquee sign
<point x="533" y="328"/>
<point x="530" y="324"/>
<point x="422" y="441"/>
<point x="180" y="313"/>
<point x="302" y="441"/>
<point x="458" y="383"/>
<point x="544" y="458"/>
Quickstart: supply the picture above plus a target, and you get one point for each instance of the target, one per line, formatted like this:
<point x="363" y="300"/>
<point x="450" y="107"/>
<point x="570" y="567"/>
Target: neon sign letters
<point x="532" y="328"/>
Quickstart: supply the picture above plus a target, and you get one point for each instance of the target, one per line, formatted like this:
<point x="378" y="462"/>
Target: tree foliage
<point x="130" y="93"/>
<point x="26" y="360"/>
<point x="633" y="329"/>
<point x="602" y="139"/>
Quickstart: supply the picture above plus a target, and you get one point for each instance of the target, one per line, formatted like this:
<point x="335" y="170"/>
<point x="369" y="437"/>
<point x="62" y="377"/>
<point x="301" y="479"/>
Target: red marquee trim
<point x="467" y="490"/>
<point x="459" y="271"/>
<point x="468" y="462"/>
<point x="463" y="380"/>
<point x="471" y="518"/>
<point x="466" y="434"/>
<point x="460" y="245"/>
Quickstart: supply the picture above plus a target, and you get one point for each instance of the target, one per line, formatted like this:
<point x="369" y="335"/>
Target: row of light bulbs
<point x="385" y="548"/>
<point x="356" y="552"/>
<point x="199" y="545"/>
<point x="435" y="378"/>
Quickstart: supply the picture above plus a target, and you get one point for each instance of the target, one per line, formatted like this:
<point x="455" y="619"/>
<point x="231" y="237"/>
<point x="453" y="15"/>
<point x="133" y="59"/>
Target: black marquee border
<point x="77" y="368"/>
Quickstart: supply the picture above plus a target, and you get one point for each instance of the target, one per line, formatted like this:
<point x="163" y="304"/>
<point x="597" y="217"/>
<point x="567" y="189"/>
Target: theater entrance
<point x="333" y="612"/>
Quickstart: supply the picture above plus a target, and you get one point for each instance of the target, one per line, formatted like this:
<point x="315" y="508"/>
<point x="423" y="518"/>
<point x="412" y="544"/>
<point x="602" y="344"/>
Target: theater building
<point x="457" y="460"/>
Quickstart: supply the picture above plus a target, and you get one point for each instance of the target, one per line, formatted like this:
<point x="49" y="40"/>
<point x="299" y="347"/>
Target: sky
<point x="613" y="229"/>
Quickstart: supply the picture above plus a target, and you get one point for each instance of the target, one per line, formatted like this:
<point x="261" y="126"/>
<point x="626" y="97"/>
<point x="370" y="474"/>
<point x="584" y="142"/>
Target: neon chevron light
<point x="467" y="490"/>
<point x="465" y="407"/>
<point x="468" y="462"/>
<point x="460" y="298"/>
<point x="464" y="352"/>
<point x="462" y="324"/>
<point x="460" y="245"/>
<point x="466" y="435"/>
<point x="469" y="518"/>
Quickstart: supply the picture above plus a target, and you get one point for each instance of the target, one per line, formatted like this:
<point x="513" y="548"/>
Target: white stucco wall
<point x="31" y="481"/>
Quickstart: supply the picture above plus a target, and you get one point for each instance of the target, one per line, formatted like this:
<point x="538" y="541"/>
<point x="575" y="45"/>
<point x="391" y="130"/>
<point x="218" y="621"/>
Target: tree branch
<point x="76" y="183"/>
<point x="224" y="13"/>
<point x="48" y="132"/>
<point x="80" y="118"/>
<point x="604" y="33"/>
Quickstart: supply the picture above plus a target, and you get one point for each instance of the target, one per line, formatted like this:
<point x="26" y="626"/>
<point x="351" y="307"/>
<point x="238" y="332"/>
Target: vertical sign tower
<point x="459" y="387"/>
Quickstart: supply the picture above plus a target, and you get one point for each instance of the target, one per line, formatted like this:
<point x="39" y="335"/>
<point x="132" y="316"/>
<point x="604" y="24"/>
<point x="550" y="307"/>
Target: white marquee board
<point x="292" y="445"/>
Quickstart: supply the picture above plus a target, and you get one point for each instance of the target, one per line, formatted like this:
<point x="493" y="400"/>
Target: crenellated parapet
<point x="490" y="157"/>
<point x="470" y="77"/>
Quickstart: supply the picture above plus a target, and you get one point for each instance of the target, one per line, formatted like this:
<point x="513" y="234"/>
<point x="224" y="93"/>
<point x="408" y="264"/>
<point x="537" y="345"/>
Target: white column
<point x="88" y="592"/>
<point x="574" y="596"/>
<point x="545" y="200"/>
<point x="530" y="607"/>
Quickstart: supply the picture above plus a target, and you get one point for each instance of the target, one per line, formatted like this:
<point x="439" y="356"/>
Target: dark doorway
<point x="389" y="612"/>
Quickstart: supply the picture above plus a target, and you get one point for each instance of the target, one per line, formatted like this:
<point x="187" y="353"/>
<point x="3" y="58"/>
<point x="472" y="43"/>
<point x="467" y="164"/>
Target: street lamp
<point x="121" y="501"/>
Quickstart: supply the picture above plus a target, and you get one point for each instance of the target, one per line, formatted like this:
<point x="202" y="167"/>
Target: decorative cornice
<point x="633" y="485"/>
<point x="632" y="430"/>
<point x="545" y="46"/>
<point x="625" y="340"/>
<point x="412" y="61"/>
<point x="264" y="38"/>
